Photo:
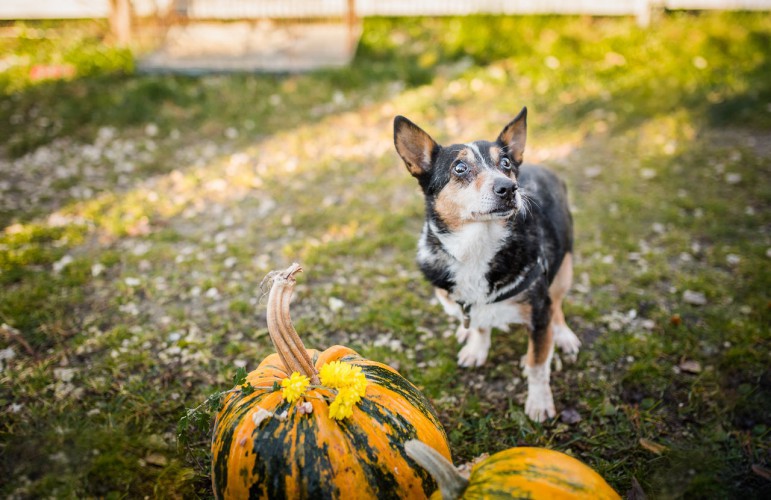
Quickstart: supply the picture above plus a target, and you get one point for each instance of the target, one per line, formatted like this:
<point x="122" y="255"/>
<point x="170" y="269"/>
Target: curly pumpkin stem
<point x="285" y="338"/>
<point x="451" y="483"/>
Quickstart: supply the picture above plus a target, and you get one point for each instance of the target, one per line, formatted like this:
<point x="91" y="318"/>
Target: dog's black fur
<point x="521" y="222"/>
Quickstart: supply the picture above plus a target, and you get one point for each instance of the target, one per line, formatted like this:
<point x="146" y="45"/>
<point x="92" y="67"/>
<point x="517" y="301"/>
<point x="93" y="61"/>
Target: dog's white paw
<point x="462" y="334"/>
<point x="474" y="353"/>
<point x="540" y="403"/>
<point x="567" y="341"/>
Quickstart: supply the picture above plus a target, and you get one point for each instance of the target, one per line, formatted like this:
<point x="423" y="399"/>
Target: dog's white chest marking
<point x="473" y="248"/>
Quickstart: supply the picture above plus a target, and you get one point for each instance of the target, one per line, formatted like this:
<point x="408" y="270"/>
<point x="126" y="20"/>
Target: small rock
<point x="157" y="459"/>
<point x="690" y="366"/>
<point x="335" y="304"/>
<point x="97" y="269"/>
<point x="694" y="298"/>
<point x="733" y="178"/>
<point x="570" y="416"/>
<point x="592" y="172"/>
<point x="732" y="259"/>
<point x="62" y="263"/>
<point x="64" y="374"/>
<point x="151" y="129"/>
<point x="132" y="281"/>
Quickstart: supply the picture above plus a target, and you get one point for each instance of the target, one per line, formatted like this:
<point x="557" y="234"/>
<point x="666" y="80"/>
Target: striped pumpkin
<point x="297" y="454"/>
<point x="514" y="473"/>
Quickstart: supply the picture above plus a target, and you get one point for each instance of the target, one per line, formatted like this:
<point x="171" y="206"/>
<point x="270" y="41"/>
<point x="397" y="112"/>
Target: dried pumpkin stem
<point x="285" y="338"/>
<point x="451" y="483"/>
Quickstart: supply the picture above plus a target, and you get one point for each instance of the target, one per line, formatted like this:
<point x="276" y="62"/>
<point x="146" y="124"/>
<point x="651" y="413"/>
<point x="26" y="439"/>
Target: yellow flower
<point x="338" y="375"/>
<point x="294" y="387"/>
<point x="334" y="374"/>
<point x="358" y="382"/>
<point x="342" y="406"/>
<point x="351" y="385"/>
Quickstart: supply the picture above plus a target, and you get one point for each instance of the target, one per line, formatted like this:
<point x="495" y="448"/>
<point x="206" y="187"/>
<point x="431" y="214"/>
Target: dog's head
<point x="464" y="183"/>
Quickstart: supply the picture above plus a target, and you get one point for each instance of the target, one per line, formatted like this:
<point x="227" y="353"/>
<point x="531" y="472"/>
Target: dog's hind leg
<point x="539" y="405"/>
<point x="564" y="337"/>
<point x="540" y="348"/>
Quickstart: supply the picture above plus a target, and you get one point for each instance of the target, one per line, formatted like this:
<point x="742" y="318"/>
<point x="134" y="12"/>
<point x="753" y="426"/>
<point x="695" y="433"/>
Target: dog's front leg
<point x="474" y="353"/>
<point x="540" y="348"/>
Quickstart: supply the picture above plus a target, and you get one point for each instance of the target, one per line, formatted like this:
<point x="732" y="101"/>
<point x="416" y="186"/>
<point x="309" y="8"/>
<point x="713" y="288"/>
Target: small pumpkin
<point x="521" y="472"/>
<point x="290" y="442"/>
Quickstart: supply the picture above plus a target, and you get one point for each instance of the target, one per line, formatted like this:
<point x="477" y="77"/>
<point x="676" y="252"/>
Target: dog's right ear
<point x="416" y="147"/>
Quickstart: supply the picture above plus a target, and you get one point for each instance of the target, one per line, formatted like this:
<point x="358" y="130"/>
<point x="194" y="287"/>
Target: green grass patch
<point x="140" y="214"/>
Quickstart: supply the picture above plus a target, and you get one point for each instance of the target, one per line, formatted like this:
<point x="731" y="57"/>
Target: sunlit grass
<point x="130" y="282"/>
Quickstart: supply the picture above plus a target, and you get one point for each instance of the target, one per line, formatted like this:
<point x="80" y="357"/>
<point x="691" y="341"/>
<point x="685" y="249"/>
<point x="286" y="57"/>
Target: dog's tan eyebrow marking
<point x="495" y="154"/>
<point x="466" y="155"/>
<point x="475" y="151"/>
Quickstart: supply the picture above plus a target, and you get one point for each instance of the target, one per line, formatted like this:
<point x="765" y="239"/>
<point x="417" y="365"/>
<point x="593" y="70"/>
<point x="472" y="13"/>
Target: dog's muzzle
<point x="505" y="190"/>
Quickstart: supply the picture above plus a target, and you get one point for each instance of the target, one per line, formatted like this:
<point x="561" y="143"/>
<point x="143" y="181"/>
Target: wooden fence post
<point x="120" y="21"/>
<point x="350" y="17"/>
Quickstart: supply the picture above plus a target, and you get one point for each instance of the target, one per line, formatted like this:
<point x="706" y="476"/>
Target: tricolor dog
<point x="497" y="244"/>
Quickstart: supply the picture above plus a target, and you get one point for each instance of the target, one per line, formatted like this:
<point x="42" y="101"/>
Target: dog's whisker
<point x="527" y="203"/>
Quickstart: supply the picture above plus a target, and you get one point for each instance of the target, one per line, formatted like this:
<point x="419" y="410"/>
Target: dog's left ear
<point x="514" y="135"/>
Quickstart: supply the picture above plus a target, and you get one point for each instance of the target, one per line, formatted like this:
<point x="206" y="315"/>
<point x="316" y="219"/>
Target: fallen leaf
<point x="656" y="448"/>
<point x="636" y="492"/>
<point x="762" y="471"/>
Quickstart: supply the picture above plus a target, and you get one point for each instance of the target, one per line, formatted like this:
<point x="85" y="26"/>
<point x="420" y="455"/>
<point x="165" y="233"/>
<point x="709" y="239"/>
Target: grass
<point x="140" y="214"/>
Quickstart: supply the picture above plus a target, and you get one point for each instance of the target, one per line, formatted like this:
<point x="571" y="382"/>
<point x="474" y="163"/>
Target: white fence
<point x="241" y="9"/>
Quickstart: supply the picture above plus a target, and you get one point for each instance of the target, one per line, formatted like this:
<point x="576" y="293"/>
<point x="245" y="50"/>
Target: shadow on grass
<point x="348" y="196"/>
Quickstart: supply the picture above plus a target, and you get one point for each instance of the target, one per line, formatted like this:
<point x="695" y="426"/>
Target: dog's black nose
<point x="504" y="188"/>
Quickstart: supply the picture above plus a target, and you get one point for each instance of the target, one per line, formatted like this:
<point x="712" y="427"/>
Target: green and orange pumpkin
<point x="521" y="472"/>
<point x="302" y="450"/>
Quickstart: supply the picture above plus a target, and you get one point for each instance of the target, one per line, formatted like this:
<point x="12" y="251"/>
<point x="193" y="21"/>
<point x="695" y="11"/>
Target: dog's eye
<point x="505" y="163"/>
<point x="460" y="168"/>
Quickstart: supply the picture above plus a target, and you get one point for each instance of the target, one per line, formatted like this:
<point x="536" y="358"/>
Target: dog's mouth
<point x="497" y="213"/>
